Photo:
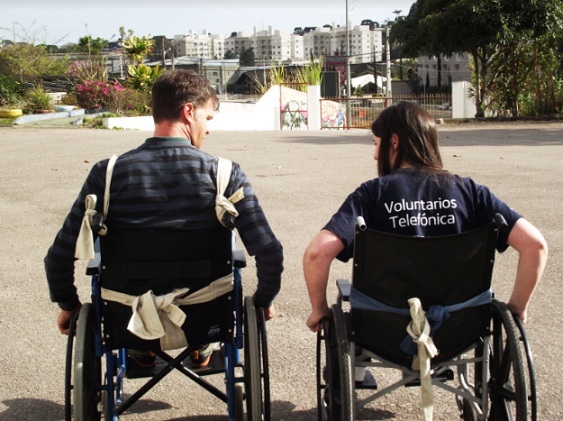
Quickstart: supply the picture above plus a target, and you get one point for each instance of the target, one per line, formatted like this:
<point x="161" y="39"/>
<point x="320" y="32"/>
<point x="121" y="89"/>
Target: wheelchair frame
<point x="94" y="393"/>
<point x="495" y="375"/>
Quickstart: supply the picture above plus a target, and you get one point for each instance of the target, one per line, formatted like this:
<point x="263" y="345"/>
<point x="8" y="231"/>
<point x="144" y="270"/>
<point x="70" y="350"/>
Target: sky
<point x="60" y="22"/>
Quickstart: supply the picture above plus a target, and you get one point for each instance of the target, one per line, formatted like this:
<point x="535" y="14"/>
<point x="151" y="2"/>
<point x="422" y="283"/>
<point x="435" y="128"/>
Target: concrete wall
<point x="263" y="115"/>
<point x="462" y="104"/>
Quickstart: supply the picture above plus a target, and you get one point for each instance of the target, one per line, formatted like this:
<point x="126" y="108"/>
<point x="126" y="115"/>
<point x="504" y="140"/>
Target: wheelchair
<point x="156" y="264"/>
<point x="459" y="339"/>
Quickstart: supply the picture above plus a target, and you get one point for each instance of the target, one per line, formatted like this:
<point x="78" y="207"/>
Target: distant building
<point x="452" y="69"/>
<point x="204" y="45"/>
<point x="366" y="44"/>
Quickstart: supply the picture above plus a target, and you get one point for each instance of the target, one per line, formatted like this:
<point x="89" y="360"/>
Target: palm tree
<point x="137" y="48"/>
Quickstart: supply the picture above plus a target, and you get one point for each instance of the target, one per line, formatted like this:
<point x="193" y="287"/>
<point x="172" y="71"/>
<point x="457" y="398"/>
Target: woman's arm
<point x="320" y="253"/>
<point x="531" y="246"/>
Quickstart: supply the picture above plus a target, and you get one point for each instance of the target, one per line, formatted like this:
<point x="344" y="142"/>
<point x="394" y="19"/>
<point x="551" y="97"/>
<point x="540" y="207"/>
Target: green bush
<point x="37" y="99"/>
<point x="11" y="91"/>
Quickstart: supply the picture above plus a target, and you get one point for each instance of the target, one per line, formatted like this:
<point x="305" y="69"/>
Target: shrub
<point x="37" y="99"/>
<point x="95" y="94"/>
<point x="112" y="96"/>
<point x="11" y="90"/>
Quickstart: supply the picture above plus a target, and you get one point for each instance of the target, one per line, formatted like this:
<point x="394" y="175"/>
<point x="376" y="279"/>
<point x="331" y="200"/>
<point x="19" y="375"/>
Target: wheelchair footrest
<point x="136" y="372"/>
<point x="369" y="382"/>
<point x="443" y="376"/>
<point x="216" y="365"/>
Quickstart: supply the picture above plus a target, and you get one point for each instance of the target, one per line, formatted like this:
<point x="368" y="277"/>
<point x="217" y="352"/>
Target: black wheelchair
<point x="424" y="307"/>
<point x="188" y="265"/>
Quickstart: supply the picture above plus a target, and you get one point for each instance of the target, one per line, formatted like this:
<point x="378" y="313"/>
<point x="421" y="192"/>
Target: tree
<point x="29" y="63"/>
<point x="137" y="48"/>
<point x="247" y="57"/>
<point x="229" y="55"/>
<point x="91" y="46"/>
<point x="484" y="29"/>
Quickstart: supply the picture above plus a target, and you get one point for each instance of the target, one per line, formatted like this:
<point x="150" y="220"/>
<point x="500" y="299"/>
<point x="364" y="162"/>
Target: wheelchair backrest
<point x="438" y="270"/>
<point x="135" y="262"/>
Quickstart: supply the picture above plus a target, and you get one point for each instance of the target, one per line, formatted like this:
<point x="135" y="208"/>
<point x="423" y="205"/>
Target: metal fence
<point x="361" y="112"/>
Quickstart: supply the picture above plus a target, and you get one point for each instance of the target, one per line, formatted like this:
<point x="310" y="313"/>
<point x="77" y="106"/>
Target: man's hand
<point x="64" y="318"/>
<point x="269" y="313"/>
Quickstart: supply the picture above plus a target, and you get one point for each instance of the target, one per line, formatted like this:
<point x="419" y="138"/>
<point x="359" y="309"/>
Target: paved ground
<point x="301" y="178"/>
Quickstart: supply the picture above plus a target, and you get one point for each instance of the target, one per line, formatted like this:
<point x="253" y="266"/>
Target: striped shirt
<point x="166" y="184"/>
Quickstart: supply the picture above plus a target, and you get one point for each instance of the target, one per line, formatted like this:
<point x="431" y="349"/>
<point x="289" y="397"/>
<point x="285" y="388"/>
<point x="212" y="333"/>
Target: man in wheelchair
<point x="415" y="196"/>
<point x="166" y="185"/>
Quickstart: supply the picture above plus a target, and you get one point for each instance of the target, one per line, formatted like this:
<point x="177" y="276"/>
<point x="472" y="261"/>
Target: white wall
<point x="462" y="104"/>
<point x="237" y="116"/>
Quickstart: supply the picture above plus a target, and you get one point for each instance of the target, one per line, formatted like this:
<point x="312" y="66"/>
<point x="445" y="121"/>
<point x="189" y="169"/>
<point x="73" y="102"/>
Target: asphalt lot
<point x="301" y="178"/>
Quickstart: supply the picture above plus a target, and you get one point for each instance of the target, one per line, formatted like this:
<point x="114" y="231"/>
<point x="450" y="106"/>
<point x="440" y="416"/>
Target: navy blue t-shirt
<point x="413" y="202"/>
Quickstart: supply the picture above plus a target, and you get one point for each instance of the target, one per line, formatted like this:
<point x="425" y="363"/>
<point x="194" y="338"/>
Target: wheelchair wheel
<point x="345" y="363"/>
<point x="507" y="383"/>
<point x="325" y="363"/>
<point x="239" y="402"/>
<point x="335" y="387"/>
<point x="87" y="368"/>
<point x="68" y="368"/>
<point x="252" y="371"/>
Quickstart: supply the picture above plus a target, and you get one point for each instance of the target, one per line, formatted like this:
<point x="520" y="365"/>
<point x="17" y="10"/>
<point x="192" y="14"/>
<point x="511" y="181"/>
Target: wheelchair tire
<point x="322" y="356"/>
<point x="346" y="376"/>
<point x="87" y="368"/>
<point x="252" y="371"/>
<point x="239" y="402"/>
<point x="507" y="383"/>
<point x="467" y="411"/>
<point x="68" y="368"/>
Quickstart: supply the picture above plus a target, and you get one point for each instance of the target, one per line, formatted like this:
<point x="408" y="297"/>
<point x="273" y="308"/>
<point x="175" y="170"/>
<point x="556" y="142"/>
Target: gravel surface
<point x="301" y="178"/>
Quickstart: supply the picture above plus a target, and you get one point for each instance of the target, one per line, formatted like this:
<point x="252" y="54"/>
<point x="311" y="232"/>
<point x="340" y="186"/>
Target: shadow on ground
<point x="39" y="409"/>
<point x="486" y="136"/>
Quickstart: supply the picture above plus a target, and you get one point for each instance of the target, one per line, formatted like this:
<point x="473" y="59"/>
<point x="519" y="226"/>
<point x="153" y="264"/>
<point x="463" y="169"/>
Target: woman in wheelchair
<point x="415" y="196"/>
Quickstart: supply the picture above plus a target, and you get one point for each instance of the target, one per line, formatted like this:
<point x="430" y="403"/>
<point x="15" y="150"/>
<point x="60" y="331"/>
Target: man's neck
<point x="171" y="129"/>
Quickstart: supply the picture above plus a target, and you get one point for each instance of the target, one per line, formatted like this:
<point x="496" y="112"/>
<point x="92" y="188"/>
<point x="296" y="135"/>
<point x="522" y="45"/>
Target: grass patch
<point x="7" y="121"/>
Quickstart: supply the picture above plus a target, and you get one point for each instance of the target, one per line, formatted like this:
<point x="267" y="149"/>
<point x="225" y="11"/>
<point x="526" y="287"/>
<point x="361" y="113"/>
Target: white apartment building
<point x="204" y="45"/>
<point x="365" y="45"/>
<point x="238" y="42"/>
<point x="268" y="45"/>
<point x="274" y="46"/>
<point x="453" y="69"/>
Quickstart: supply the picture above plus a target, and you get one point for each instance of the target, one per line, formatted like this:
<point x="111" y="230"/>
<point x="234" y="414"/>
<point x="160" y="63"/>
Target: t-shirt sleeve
<point x="488" y="206"/>
<point x="342" y="223"/>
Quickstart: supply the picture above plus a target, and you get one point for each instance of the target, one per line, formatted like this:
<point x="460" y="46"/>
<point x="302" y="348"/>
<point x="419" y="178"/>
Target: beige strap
<point x="222" y="204"/>
<point x="419" y="330"/>
<point x="85" y="239"/>
<point x="109" y="174"/>
<point x="158" y="316"/>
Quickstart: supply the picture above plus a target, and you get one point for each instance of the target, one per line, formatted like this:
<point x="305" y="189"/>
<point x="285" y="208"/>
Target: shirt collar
<point x="167" y="141"/>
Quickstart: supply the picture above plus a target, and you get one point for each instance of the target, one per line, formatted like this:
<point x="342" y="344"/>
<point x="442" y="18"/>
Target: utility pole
<point x="348" y="73"/>
<point x="163" y="47"/>
<point x="388" y="93"/>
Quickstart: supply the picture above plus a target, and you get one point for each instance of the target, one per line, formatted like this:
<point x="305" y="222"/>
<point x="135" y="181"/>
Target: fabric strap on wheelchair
<point x="159" y="317"/>
<point x="436" y="314"/>
<point x="419" y="341"/>
<point x="85" y="240"/>
<point x="222" y="204"/>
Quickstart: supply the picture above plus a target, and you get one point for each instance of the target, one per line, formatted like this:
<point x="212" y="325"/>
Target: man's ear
<point x="188" y="111"/>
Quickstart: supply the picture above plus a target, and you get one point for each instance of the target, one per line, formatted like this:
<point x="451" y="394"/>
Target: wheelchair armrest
<point x="239" y="259"/>
<point x="344" y="288"/>
<point x="94" y="264"/>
